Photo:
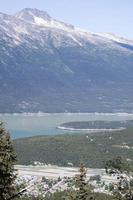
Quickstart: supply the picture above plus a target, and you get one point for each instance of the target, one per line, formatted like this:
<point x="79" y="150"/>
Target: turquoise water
<point x="24" y="125"/>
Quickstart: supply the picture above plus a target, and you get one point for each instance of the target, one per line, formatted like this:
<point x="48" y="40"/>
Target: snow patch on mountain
<point x="113" y="37"/>
<point x="75" y="40"/>
<point x="52" y="24"/>
<point x="41" y="22"/>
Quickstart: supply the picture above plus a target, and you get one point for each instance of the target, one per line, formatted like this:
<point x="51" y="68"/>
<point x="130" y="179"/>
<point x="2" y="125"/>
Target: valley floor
<point x="50" y="171"/>
<point x="49" y="179"/>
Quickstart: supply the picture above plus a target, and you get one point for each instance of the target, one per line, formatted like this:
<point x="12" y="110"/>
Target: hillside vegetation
<point x="92" y="149"/>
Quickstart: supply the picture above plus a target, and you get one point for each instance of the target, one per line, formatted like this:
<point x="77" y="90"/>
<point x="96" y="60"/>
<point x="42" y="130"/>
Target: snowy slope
<point x="32" y="21"/>
<point x="44" y="59"/>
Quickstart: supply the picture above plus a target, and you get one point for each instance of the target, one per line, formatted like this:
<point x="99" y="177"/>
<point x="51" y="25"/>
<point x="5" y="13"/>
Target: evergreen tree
<point x="7" y="161"/>
<point x="83" y="192"/>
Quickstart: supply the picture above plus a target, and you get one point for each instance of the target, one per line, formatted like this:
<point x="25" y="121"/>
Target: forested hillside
<point x="92" y="149"/>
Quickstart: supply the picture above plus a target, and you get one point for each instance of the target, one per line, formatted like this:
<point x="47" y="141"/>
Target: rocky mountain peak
<point x="29" y="14"/>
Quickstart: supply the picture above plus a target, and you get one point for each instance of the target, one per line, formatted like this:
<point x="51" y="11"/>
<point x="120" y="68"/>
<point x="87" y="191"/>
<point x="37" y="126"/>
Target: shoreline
<point x="91" y="130"/>
<point x="69" y="113"/>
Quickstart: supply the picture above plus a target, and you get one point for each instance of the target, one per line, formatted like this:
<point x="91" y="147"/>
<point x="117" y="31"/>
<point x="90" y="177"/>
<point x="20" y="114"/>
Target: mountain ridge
<point x="50" y="66"/>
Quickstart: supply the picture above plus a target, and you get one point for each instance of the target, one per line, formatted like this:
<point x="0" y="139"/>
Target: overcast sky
<point x="114" y="16"/>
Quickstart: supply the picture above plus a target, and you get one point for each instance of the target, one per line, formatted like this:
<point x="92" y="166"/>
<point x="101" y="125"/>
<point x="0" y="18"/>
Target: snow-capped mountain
<point x="50" y="66"/>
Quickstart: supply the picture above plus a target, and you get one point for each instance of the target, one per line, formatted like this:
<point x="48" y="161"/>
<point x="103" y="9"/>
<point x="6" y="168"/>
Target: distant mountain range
<point x="50" y="66"/>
